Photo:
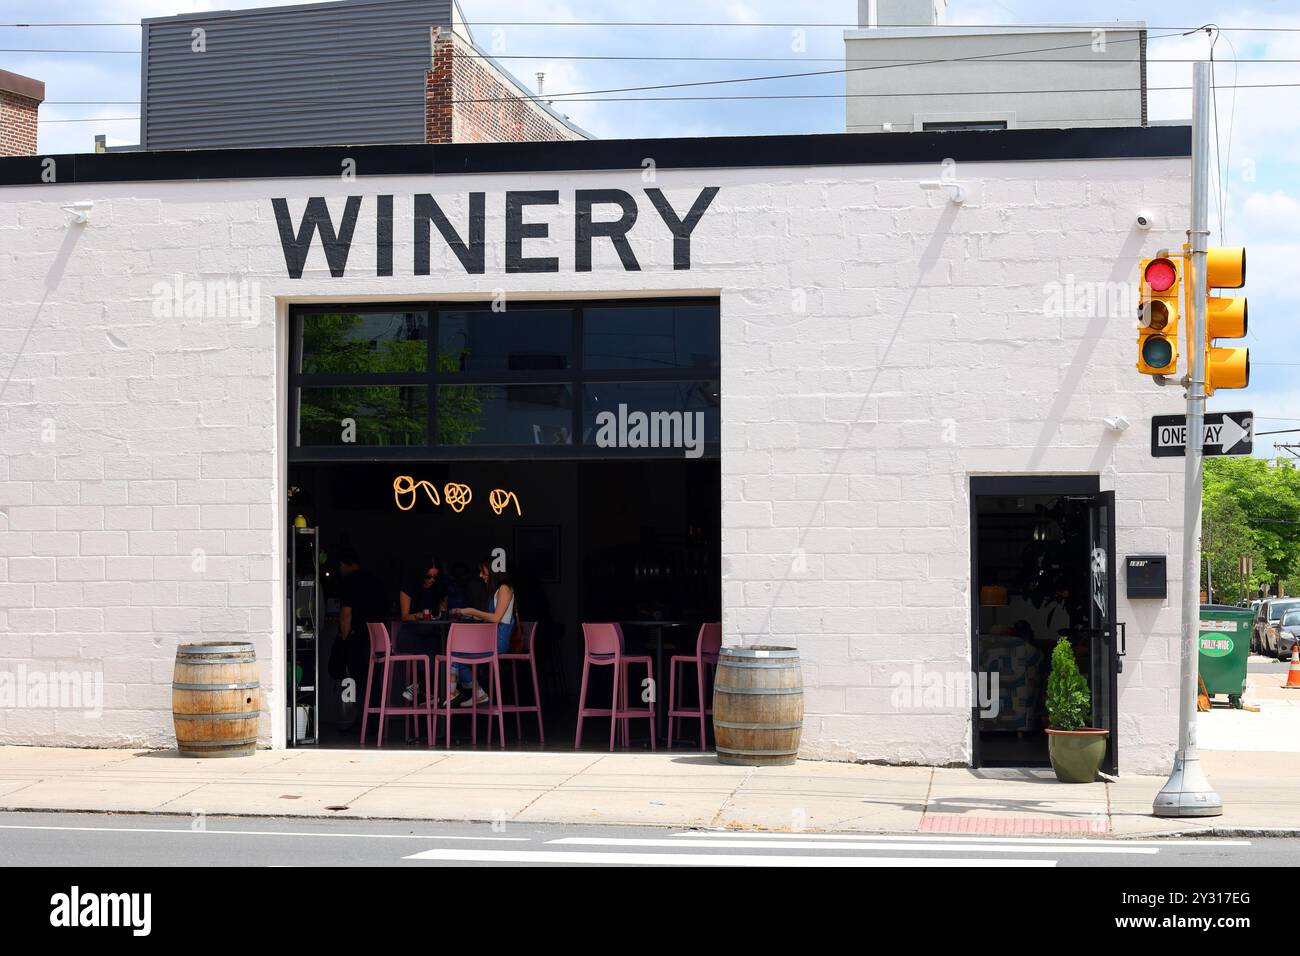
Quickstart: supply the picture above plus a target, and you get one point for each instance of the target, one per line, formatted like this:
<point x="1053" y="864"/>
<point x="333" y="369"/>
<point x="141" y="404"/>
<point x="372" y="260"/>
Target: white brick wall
<point x="131" y="445"/>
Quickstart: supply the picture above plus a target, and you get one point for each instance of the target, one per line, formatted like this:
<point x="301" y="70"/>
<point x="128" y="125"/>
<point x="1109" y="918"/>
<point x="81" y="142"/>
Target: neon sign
<point x="500" y="499"/>
<point x="457" y="496"/>
<point x="406" y="492"/>
<point x="406" y="485"/>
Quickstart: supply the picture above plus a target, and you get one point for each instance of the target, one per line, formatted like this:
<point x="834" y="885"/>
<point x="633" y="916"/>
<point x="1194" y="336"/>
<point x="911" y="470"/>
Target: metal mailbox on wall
<point x="1146" y="576"/>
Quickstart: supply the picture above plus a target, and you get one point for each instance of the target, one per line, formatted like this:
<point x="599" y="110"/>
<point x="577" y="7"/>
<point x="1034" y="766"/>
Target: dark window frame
<point x="957" y="126"/>
<point x="577" y="376"/>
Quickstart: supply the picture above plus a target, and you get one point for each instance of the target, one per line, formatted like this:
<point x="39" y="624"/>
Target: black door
<point x="1103" y="676"/>
<point x="1042" y="571"/>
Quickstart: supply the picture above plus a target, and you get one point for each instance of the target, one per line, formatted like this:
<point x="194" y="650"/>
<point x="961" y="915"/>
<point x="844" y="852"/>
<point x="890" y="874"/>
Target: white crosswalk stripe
<point x="739" y="848"/>
<point x="924" y="846"/>
<point x="574" y="857"/>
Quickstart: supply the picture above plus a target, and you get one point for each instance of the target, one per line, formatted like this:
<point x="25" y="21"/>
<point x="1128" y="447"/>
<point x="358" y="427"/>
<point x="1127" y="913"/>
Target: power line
<point x="1012" y="57"/>
<point x="1045" y="27"/>
<point x="560" y="99"/>
<point x="976" y="57"/>
<point x="580" y="98"/>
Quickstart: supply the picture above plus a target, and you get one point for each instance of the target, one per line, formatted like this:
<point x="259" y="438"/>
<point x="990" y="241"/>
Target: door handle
<point x="1123" y="647"/>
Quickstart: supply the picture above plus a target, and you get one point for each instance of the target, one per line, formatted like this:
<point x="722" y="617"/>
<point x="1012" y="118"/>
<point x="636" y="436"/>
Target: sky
<point x="1258" y="133"/>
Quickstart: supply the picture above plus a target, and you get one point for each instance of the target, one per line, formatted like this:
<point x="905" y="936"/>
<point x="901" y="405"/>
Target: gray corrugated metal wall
<point x="320" y="74"/>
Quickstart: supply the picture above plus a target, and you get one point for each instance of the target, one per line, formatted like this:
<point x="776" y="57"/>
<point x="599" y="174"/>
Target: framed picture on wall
<point x="537" y="550"/>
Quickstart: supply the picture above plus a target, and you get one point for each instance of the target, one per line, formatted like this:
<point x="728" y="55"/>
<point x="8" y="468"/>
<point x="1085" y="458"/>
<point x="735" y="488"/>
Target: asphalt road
<point x="91" y="840"/>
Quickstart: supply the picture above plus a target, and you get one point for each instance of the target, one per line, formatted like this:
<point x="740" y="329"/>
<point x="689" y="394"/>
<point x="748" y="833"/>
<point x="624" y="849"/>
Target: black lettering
<point x="682" y="228"/>
<point x="616" y="230"/>
<point x="472" y="253"/>
<point x="517" y="230"/>
<point x="384" y="236"/>
<point x="316" y="216"/>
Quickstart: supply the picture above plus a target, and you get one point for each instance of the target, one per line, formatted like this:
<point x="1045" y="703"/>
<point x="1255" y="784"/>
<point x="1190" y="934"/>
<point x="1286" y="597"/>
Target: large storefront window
<point x="571" y="446"/>
<point x="559" y="380"/>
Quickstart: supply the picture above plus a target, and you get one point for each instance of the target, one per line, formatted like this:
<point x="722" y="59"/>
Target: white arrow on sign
<point x="1230" y="435"/>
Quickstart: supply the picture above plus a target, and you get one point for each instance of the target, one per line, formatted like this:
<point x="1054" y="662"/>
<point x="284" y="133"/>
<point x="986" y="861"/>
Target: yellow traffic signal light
<point x="1159" y="297"/>
<point x="1225" y="318"/>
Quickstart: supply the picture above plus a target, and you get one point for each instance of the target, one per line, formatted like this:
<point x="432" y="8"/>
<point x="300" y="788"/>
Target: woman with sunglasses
<point x="424" y="596"/>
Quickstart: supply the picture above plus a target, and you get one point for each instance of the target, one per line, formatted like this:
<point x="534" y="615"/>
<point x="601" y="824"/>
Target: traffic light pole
<point x="1188" y="793"/>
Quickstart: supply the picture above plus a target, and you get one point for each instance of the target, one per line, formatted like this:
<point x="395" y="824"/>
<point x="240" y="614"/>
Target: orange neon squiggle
<point x="500" y="499"/>
<point x="406" y="485"/>
<point x="457" y="496"/>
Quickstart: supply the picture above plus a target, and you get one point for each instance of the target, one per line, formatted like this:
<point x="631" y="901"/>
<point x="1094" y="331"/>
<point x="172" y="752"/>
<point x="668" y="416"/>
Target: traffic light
<point x="1225" y="318"/>
<point x="1159" y="297"/>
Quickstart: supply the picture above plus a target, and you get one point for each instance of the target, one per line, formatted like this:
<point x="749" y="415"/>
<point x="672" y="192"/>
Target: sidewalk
<point x="1259" y="790"/>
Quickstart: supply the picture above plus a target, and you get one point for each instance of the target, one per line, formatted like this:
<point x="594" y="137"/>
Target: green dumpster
<point x="1224" y="649"/>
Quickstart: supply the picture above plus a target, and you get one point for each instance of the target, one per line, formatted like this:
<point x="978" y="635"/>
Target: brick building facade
<point x="469" y="100"/>
<point x="20" y="101"/>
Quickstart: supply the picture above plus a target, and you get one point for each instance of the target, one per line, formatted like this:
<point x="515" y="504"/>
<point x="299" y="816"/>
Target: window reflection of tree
<point x="352" y="343"/>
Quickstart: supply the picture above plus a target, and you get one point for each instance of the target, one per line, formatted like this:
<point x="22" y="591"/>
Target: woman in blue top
<point x="501" y="612"/>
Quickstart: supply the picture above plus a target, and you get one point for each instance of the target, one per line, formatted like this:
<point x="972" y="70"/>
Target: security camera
<point x="1144" y="220"/>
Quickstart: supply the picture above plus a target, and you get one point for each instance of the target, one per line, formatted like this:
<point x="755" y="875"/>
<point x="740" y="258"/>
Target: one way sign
<point x="1226" y="433"/>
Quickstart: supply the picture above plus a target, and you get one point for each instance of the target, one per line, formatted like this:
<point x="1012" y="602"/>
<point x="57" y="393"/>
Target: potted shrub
<point x="1076" y="750"/>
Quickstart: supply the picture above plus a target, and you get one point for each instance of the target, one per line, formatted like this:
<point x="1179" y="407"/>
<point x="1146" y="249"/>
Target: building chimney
<point x="901" y="13"/>
<point x="20" y="98"/>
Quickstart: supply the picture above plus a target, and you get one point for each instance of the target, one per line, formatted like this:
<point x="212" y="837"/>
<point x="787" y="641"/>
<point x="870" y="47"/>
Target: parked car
<point x="1288" y="632"/>
<point x="1265" y="635"/>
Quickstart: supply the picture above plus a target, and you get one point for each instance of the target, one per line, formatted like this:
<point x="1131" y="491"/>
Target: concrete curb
<point x="1220" y="832"/>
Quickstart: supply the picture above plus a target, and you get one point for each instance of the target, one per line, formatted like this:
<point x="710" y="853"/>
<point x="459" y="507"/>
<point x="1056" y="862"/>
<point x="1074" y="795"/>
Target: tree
<point x="1225" y="538"/>
<point x="1250" y="506"/>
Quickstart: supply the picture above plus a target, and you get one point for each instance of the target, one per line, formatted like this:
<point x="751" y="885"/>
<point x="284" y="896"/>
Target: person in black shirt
<point x="427" y="591"/>
<point x="361" y="602"/>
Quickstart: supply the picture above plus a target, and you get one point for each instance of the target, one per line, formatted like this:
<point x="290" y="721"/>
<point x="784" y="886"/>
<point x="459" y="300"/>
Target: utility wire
<point x="1012" y="57"/>
<point x="241" y="105"/>
<point x="1045" y="27"/>
<point x="977" y="57"/>
<point x="559" y="99"/>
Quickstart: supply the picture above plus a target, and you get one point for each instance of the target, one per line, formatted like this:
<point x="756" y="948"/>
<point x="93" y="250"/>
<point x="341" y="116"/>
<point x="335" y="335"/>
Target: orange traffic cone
<point x="1293" y="675"/>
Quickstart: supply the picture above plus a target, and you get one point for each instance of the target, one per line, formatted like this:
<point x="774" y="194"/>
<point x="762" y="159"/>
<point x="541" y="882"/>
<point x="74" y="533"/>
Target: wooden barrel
<point x="758" y="706"/>
<point x="216" y="699"/>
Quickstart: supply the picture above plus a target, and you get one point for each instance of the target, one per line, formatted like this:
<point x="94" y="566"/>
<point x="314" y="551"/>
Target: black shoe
<point x="462" y="698"/>
<point x="460" y="695"/>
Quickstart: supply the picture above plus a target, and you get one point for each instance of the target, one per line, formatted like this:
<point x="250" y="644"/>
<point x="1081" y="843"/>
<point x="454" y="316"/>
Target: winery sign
<point x="619" y="212"/>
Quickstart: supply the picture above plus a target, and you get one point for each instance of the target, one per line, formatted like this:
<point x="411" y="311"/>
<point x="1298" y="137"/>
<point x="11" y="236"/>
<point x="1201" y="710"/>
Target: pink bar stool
<point x="604" y="647"/>
<point x="476" y="645"/>
<point x="381" y="653"/>
<point x="707" y="646"/>
<point x="529" y="655"/>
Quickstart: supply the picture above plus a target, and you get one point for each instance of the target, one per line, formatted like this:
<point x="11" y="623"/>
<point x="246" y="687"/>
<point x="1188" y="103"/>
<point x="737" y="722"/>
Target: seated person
<point x="425" y="592"/>
<point x="501" y="612"/>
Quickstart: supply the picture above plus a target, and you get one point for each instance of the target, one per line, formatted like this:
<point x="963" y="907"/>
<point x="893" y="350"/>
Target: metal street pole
<point x="1188" y="793"/>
